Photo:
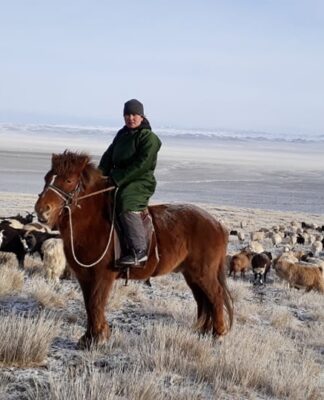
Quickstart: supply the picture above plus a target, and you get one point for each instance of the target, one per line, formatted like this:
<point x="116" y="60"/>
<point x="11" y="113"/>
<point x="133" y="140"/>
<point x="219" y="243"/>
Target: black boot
<point x="135" y="258"/>
<point x="134" y="236"/>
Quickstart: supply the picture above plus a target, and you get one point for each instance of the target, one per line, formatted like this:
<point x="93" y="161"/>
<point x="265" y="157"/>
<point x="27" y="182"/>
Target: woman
<point x="130" y="162"/>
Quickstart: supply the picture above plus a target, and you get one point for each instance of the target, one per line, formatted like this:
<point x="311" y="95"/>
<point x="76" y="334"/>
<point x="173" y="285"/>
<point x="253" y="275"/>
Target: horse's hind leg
<point x="211" y="294"/>
<point x="210" y="305"/>
<point x="199" y="296"/>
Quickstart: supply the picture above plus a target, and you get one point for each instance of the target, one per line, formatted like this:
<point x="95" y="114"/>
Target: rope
<point x="97" y="192"/>
<point x="110" y="233"/>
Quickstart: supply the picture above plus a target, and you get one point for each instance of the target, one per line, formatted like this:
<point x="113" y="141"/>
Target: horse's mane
<point x="68" y="163"/>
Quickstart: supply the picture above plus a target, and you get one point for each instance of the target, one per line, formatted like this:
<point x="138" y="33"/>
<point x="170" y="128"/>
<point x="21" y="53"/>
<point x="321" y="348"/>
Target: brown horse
<point x="190" y="241"/>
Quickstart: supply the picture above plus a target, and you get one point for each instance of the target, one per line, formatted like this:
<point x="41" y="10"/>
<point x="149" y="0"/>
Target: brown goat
<point x="240" y="262"/>
<point x="300" y="275"/>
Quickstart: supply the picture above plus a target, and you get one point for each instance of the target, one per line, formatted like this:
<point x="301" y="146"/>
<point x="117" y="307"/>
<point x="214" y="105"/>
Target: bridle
<point x="72" y="198"/>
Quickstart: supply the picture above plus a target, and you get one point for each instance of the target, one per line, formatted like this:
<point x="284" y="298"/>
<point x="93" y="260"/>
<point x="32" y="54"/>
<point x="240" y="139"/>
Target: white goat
<point x="54" y="259"/>
<point x="317" y="247"/>
<point x="255" y="247"/>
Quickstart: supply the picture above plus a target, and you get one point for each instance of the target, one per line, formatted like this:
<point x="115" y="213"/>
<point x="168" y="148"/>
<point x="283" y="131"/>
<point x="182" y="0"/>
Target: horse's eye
<point x="68" y="181"/>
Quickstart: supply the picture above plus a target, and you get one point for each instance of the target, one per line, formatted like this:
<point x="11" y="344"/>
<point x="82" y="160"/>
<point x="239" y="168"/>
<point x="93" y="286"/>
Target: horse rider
<point x="130" y="163"/>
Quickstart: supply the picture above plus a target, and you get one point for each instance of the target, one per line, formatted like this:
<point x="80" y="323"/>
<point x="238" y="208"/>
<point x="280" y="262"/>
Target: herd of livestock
<point x="296" y="251"/>
<point x="21" y="235"/>
<point x="296" y="255"/>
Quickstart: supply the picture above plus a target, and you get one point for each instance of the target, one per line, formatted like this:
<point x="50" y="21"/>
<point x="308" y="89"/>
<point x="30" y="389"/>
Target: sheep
<point x="275" y="228"/>
<point x="317" y="247"/>
<point x="295" y="224"/>
<point x="53" y="258"/>
<point x="290" y="238"/>
<point x="312" y="260"/>
<point x="276" y="239"/>
<point x="288" y="256"/>
<point x="311" y="238"/>
<point x="35" y="240"/>
<point x="255" y="247"/>
<point x="243" y="224"/>
<point x="261" y="264"/>
<point x="241" y="236"/>
<point x="306" y="225"/>
<point x="300" y="275"/>
<point x="259" y="236"/>
<point x="240" y="262"/>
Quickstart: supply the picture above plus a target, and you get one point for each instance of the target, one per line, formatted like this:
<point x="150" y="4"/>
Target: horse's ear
<point x="54" y="158"/>
<point x="84" y="162"/>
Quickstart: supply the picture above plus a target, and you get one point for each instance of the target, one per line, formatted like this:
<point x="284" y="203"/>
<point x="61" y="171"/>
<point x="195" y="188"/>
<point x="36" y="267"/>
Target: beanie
<point x="133" y="106"/>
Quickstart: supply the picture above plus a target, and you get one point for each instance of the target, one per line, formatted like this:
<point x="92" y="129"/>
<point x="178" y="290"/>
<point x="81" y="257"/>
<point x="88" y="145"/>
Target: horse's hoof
<point x="85" y="342"/>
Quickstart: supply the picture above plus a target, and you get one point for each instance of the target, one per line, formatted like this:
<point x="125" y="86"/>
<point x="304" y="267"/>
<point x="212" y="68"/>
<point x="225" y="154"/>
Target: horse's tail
<point x="228" y="299"/>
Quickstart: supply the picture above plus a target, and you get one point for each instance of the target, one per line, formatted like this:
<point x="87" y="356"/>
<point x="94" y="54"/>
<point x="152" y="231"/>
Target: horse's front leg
<point x="96" y="290"/>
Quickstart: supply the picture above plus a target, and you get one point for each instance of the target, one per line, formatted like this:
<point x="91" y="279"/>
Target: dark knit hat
<point x="133" y="106"/>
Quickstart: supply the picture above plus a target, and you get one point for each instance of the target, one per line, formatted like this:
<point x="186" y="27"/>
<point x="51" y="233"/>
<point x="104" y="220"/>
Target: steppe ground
<point x="275" y="349"/>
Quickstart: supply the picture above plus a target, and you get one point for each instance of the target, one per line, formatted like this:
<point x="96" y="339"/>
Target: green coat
<point x="130" y="161"/>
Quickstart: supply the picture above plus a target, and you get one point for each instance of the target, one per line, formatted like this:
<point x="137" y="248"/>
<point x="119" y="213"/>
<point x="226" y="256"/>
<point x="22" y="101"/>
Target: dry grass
<point x="121" y="293"/>
<point x="273" y="351"/>
<point x="11" y="280"/>
<point x="92" y="384"/>
<point x="25" y="340"/>
<point x="266" y="361"/>
<point x="282" y="319"/>
<point x="46" y="293"/>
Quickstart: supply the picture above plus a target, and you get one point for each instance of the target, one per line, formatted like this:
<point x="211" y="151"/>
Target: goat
<point x="240" y="262"/>
<point x="35" y="240"/>
<point x="18" y="221"/>
<point x="13" y="242"/>
<point x="53" y="258"/>
<point x="261" y="264"/>
<point x="300" y="275"/>
<point x="37" y="226"/>
<point x="300" y="239"/>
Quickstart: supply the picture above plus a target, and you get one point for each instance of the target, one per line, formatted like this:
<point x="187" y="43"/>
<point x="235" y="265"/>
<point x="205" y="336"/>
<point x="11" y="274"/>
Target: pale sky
<point x="250" y="65"/>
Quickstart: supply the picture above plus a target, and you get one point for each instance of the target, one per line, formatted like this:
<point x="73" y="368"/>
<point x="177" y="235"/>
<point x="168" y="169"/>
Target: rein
<point x="68" y="200"/>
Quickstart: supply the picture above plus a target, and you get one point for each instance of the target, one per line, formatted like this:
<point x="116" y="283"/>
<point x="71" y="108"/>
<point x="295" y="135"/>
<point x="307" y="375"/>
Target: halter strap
<point x="68" y="198"/>
<point x="109" y="238"/>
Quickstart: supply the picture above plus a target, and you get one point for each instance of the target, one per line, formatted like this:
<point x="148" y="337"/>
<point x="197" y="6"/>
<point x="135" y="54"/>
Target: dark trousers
<point x="133" y="230"/>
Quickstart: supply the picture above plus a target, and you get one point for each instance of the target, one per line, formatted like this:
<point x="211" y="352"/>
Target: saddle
<point x="151" y="242"/>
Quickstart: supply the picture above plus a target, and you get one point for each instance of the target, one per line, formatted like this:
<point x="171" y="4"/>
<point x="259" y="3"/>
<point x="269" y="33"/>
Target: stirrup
<point x="133" y="260"/>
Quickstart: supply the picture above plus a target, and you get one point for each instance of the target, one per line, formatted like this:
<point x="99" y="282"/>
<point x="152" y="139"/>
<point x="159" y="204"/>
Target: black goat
<point x="261" y="264"/>
<point x="13" y="242"/>
<point x="300" y="239"/>
<point x="20" y="218"/>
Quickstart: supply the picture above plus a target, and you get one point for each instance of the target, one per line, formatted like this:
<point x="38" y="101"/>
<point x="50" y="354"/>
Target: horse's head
<point x="64" y="181"/>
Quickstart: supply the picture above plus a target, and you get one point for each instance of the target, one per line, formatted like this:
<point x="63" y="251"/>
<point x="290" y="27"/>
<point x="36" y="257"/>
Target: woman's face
<point x="133" y="121"/>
